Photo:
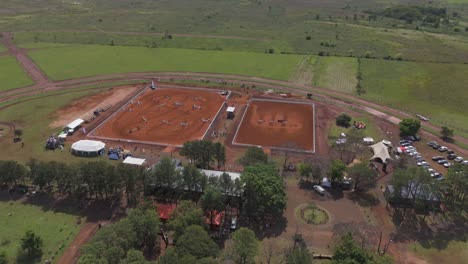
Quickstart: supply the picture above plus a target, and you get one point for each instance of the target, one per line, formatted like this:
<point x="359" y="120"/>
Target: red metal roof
<point x="217" y="218"/>
<point x="165" y="210"/>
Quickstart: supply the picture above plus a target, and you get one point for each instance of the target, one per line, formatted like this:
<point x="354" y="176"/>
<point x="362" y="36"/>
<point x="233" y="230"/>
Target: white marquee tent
<point x="88" y="148"/>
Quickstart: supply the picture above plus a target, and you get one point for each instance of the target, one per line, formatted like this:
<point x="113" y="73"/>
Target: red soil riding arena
<point x="165" y="116"/>
<point x="278" y="124"/>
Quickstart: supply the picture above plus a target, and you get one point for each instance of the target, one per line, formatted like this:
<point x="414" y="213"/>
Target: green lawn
<point x="371" y="129"/>
<point x="337" y="73"/>
<point x="12" y="75"/>
<point x="436" y="90"/>
<point x="456" y="252"/>
<point x="33" y="117"/>
<point x="2" y="48"/>
<point x="90" y="60"/>
<point x="56" y="229"/>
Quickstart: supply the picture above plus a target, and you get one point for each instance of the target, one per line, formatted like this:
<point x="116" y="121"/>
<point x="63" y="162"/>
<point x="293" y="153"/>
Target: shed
<point x="134" y="161"/>
<point x="230" y="112"/>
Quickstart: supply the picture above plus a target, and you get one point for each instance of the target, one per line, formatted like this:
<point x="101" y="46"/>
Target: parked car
<point x="431" y="143"/>
<point x="436" y="158"/>
<point x="465" y="162"/>
<point x="447" y="164"/>
<point x="234" y="223"/>
<point x="442" y="161"/>
<point x="436" y="146"/>
<point x="451" y="156"/>
<point x="443" y="149"/>
<point x="449" y="151"/>
<point x="458" y="159"/>
<point x="422" y="163"/>
<point x="319" y="189"/>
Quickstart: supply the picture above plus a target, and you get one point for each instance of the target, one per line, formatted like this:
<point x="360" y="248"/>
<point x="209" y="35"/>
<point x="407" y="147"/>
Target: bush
<point x="343" y="120"/>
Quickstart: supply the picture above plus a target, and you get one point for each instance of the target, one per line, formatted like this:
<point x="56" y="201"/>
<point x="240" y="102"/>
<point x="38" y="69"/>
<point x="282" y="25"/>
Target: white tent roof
<point x="381" y="152"/>
<point x="230" y="109"/>
<point x="75" y="123"/>
<point x="88" y="145"/>
<point x="134" y="161"/>
<point x="211" y="173"/>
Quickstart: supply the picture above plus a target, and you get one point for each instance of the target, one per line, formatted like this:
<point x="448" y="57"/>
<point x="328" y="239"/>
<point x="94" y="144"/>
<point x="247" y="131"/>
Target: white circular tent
<point x="88" y="148"/>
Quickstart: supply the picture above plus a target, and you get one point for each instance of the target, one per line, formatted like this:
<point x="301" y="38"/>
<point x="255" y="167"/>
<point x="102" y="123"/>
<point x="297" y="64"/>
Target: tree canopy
<point x="254" y="155"/>
<point x="203" y="152"/>
<point x="196" y="242"/>
<point x="31" y="244"/>
<point x="185" y="215"/>
<point x="363" y="176"/>
<point x="337" y="170"/>
<point x="409" y="127"/>
<point x="264" y="193"/>
<point x="244" y="246"/>
<point x="446" y="133"/>
<point x="343" y="120"/>
<point x="349" y="252"/>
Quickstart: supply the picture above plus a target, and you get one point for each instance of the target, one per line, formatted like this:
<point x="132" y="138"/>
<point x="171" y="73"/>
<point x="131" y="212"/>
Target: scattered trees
<point x="343" y="120"/>
<point x="348" y="251"/>
<point x="409" y="127"/>
<point x="203" y="152"/>
<point x="337" y="170"/>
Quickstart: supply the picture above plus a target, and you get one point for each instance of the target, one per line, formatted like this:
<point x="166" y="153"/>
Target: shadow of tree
<point x="364" y="199"/>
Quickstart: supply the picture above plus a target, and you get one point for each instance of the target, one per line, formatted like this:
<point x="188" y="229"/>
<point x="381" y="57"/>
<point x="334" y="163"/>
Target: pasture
<point x="33" y="115"/>
<point x="2" y="48"/>
<point x="56" y="229"/>
<point x="431" y="89"/>
<point x="91" y="60"/>
<point x="336" y="73"/>
<point x="12" y="75"/>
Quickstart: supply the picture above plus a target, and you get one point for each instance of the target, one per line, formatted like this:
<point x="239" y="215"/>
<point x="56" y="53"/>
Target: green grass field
<point x="371" y="129"/>
<point x="431" y="89"/>
<point x="34" y="117"/>
<point x="2" y="48"/>
<point x="91" y="60"/>
<point x="56" y="229"/>
<point x="336" y="73"/>
<point x="12" y="75"/>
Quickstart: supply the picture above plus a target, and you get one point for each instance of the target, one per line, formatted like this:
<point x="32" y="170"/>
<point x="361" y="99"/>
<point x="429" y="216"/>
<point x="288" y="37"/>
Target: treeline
<point x="411" y="13"/>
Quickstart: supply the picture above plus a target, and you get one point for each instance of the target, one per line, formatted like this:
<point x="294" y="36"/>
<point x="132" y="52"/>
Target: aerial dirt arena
<point x="277" y="124"/>
<point x="163" y="116"/>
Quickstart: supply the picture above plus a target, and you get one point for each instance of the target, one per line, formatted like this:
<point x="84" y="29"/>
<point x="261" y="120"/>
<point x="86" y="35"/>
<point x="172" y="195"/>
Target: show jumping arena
<point x="278" y="124"/>
<point x="164" y="116"/>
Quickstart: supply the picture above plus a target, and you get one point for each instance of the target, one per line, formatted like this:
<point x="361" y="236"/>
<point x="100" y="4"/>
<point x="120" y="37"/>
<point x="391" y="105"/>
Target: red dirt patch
<point x="165" y="116"/>
<point x="278" y="124"/>
<point x="88" y="104"/>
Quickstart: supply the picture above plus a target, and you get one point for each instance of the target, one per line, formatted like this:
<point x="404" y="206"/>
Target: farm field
<point x="91" y="60"/>
<point x="164" y="117"/>
<point x="336" y="73"/>
<point x="12" y="75"/>
<point x="57" y="230"/>
<point x="431" y="89"/>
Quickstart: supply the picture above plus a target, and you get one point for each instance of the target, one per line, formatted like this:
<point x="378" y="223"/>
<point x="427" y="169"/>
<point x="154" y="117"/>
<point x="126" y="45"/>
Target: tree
<point x="264" y="193"/>
<point x="134" y="257"/>
<point x="145" y="223"/>
<point x="200" y="152"/>
<point x="337" y="170"/>
<point x="244" y="246"/>
<point x="343" y="120"/>
<point x="196" y="242"/>
<point x="31" y="244"/>
<point x="308" y="171"/>
<point x="193" y="179"/>
<point x="364" y="177"/>
<point x="212" y="201"/>
<point x="349" y="252"/>
<point x="3" y="258"/>
<point x="219" y="154"/>
<point x="185" y="215"/>
<point x="11" y="172"/>
<point x="299" y="255"/>
<point x="254" y="155"/>
<point x="352" y="147"/>
<point x="454" y="192"/>
<point x="409" y="127"/>
<point x="164" y="174"/>
<point x="447" y="133"/>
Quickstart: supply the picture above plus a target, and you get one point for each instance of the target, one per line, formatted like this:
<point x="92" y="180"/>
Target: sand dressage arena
<point x="164" y="116"/>
<point x="278" y="124"/>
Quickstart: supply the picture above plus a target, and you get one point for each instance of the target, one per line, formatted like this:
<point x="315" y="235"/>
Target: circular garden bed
<point x="312" y="214"/>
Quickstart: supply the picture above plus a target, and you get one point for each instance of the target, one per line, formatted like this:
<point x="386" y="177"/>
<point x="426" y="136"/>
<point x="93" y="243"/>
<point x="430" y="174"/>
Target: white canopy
<point x="381" y="152"/>
<point x="134" y="161"/>
<point x="230" y="109"/>
<point x="75" y="123"/>
<point x="88" y="146"/>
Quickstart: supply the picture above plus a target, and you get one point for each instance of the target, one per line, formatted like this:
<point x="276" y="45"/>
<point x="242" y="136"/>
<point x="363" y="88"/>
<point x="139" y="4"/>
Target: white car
<point x="447" y="164"/>
<point x="319" y="189"/>
<point x="458" y="159"/>
<point x="465" y="162"/>
<point x="234" y="223"/>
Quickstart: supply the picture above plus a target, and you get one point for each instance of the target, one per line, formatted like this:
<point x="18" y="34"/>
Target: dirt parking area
<point x="165" y="116"/>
